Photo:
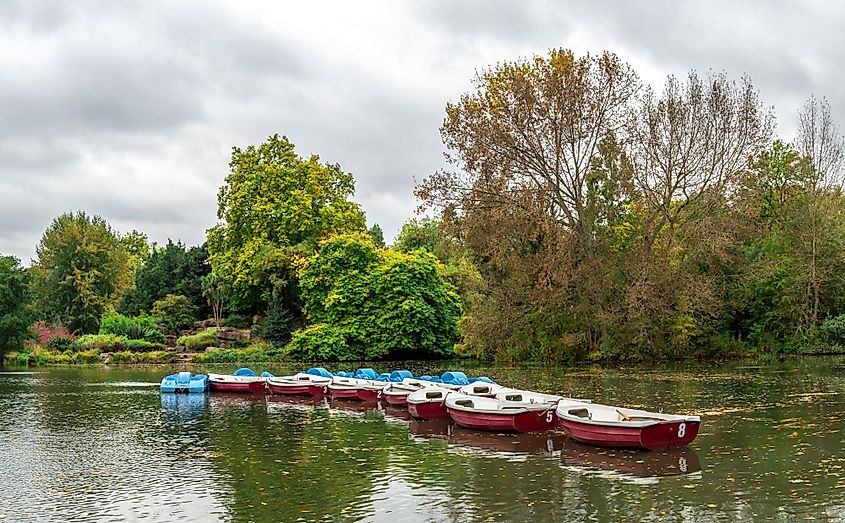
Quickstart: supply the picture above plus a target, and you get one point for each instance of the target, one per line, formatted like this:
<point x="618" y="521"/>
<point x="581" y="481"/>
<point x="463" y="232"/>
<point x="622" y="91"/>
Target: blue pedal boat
<point x="184" y="382"/>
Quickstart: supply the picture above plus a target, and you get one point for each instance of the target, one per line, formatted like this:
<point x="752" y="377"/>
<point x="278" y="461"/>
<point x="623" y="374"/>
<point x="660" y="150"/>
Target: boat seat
<point x="513" y="397"/>
<point x="481" y="390"/>
<point x="183" y="377"/>
<point x="581" y="413"/>
<point x="465" y="403"/>
<point x="433" y="395"/>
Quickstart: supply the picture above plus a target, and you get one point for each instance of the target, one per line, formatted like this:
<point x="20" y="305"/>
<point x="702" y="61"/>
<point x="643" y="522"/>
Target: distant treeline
<point x="586" y="217"/>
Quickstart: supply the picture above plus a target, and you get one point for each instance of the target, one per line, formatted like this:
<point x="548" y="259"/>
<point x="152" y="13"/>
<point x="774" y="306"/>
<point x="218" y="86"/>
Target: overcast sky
<point x="129" y="110"/>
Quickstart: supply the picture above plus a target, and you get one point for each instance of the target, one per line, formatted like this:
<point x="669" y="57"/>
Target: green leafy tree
<point x="15" y="316"/>
<point x="377" y="235"/>
<point x="172" y="269"/>
<point x="277" y="325"/>
<point x="275" y="207"/>
<point x="384" y="303"/>
<point x="80" y="271"/>
<point x="175" y="311"/>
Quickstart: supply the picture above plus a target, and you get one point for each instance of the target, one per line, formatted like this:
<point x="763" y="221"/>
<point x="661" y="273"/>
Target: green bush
<point x="60" y="344"/>
<point x="199" y="341"/>
<point x="251" y="354"/>
<point x="237" y="321"/>
<point x="831" y="331"/>
<point x="40" y="356"/>
<point x="104" y="342"/>
<point x="142" y="346"/>
<point x="321" y="342"/>
<point x="175" y="311"/>
<point x="158" y="356"/>
<point x="133" y="328"/>
<point x="277" y="325"/>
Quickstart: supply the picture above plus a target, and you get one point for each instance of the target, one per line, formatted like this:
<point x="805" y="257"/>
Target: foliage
<point x="275" y="207"/>
<point x="142" y="346"/>
<point x="15" y="316"/>
<point x="383" y="303"/>
<point x="60" y="344"/>
<point x="44" y="332"/>
<point x="831" y="332"/>
<point x="104" y="342"/>
<point x="132" y="328"/>
<point x="277" y="325"/>
<point x="172" y="269"/>
<point x="251" y="354"/>
<point x="175" y="311"/>
<point x="154" y="357"/>
<point x="377" y="235"/>
<point x="43" y="356"/>
<point x="199" y="341"/>
<point x="214" y="290"/>
<point x="237" y="321"/>
<point x="81" y="269"/>
<point x="588" y="245"/>
<point x="321" y="342"/>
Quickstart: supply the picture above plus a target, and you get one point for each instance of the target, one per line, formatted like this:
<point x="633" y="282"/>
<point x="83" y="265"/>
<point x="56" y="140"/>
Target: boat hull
<point x="531" y="421"/>
<point x="396" y="398"/>
<point x="428" y="410"/>
<point x="365" y="394"/>
<point x="254" y="387"/>
<point x="343" y="392"/>
<point x="318" y="390"/>
<point x="290" y="390"/>
<point x="662" y="435"/>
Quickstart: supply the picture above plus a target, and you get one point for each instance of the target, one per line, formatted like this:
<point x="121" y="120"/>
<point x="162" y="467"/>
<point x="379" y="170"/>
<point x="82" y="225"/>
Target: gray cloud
<point x="130" y="110"/>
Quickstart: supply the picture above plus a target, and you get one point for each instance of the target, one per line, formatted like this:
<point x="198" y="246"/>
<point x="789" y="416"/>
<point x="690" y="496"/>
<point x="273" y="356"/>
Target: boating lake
<point x="102" y="444"/>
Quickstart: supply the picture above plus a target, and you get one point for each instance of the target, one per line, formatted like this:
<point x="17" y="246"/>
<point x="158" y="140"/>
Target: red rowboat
<point x="481" y="413"/>
<point x="610" y="426"/>
<point x="232" y="383"/>
<point x="297" y="385"/>
<point x="428" y="403"/>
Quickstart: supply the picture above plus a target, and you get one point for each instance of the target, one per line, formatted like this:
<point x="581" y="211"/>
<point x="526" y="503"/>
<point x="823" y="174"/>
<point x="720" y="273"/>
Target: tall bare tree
<point x="820" y="141"/>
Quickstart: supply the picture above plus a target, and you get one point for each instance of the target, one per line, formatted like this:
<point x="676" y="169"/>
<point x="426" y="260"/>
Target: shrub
<point x="45" y="332"/>
<point x="831" y="331"/>
<point x="199" y="341"/>
<point x="142" y="346"/>
<point x="158" y="356"/>
<point x="175" y="311"/>
<point x="60" y="344"/>
<point x="276" y="327"/>
<point x="133" y="328"/>
<point x="253" y="353"/>
<point x="321" y="342"/>
<point x="105" y="342"/>
<point x="237" y="321"/>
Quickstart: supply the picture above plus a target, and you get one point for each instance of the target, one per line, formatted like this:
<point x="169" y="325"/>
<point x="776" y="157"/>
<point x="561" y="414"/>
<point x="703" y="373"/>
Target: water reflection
<point x="103" y="444"/>
<point x="630" y="464"/>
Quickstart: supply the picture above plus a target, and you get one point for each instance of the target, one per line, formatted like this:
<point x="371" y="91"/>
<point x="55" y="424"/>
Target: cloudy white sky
<point x="130" y="109"/>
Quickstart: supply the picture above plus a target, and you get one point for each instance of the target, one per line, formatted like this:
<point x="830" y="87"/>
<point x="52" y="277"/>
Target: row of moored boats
<point x="474" y="403"/>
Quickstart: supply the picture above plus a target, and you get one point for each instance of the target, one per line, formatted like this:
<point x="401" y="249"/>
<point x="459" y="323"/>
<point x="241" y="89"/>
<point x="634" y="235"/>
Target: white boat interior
<point x="480" y="388"/>
<point x="431" y="394"/>
<point x="596" y="414"/>
<point x="481" y="404"/>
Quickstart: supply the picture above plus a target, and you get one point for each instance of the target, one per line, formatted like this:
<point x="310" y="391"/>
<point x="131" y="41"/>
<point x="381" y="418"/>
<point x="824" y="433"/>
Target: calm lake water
<point x="102" y="444"/>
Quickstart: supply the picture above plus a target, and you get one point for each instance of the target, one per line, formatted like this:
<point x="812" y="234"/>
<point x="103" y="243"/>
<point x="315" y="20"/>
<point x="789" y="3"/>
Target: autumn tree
<point x="688" y="147"/>
<point x="523" y="144"/>
<point x="820" y="141"/>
